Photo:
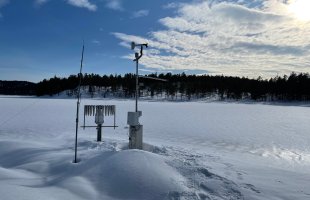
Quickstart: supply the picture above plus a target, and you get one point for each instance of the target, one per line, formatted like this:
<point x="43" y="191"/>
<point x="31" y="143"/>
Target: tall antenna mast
<point x="78" y="105"/>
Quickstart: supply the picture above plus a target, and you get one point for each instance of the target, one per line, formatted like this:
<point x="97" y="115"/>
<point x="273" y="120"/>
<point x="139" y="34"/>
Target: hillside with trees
<point x="295" y="87"/>
<point x="17" y="88"/>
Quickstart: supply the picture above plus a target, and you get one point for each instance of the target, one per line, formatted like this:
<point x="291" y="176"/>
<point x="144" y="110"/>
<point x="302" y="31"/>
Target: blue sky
<point x="43" y="38"/>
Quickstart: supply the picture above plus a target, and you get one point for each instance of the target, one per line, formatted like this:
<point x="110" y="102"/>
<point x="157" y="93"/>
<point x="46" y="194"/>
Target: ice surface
<point x="196" y="151"/>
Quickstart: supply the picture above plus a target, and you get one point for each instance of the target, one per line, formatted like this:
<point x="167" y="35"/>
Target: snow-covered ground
<point x="194" y="150"/>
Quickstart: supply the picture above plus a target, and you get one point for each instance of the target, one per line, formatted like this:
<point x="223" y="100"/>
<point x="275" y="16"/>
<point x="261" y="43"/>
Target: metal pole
<point x="99" y="133"/>
<point x="78" y="106"/>
<point x="114" y="116"/>
<point x="137" y="84"/>
<point x="76" y="130"/>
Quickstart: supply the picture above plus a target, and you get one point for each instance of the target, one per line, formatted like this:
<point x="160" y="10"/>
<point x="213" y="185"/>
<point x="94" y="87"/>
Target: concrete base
<point x="135" y="137"/>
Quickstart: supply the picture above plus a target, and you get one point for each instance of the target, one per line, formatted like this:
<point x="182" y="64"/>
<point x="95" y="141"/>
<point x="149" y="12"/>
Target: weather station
<point x="135" y="128"/>
<point x="99" y="112"/>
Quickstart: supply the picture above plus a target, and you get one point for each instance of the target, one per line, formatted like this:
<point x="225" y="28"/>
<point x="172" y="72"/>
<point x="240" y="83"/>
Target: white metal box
<point x="133" y="118"/>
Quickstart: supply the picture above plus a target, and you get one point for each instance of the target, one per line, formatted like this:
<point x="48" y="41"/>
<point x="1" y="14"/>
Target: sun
<point x="301" y="9"/>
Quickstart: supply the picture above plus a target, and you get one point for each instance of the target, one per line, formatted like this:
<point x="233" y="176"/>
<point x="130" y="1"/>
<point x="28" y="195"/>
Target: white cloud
<point x="83" y="4"/>
<point x="40" y="2"/>
<point x="171" y="5"/>
<point x="140" y="13"/>
<point x="96" y="42"/>
<point x="2" y="4"/>
<point x="262" y="38"/>
<point x="77" y="3"/>
<point x="114" y="4"/>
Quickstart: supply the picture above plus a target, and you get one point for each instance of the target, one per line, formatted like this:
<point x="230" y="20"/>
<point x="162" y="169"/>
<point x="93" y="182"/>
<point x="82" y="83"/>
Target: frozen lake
<point x="263" y="147"/>
<point x="193" y="125"/>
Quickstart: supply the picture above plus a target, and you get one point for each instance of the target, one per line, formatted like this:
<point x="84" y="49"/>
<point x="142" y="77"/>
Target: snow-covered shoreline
<point x="149" y="99"/>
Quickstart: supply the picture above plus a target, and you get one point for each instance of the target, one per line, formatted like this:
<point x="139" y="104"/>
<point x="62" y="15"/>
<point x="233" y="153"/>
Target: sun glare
<point x="301" y="9"/>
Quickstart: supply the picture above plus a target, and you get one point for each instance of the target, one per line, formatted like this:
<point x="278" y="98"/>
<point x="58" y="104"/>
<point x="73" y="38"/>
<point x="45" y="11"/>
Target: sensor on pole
<point x="135" y="128"/>
<point x="99" y="111"/>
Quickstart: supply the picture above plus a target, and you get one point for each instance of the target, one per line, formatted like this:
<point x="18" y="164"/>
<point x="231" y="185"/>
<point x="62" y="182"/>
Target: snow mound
<point x="101" y="173"/>
<point x="139" y="175"/>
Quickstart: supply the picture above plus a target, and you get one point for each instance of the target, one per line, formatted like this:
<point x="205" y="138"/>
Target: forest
<point x="295" y="87"/>
<point x="17" y="88"/>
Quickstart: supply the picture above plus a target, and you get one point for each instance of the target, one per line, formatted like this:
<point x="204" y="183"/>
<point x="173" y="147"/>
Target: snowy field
<point x="193" y="151"/>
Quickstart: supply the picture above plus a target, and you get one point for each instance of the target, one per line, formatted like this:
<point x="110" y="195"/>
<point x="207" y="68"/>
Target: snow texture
<point x="192" y="151"/>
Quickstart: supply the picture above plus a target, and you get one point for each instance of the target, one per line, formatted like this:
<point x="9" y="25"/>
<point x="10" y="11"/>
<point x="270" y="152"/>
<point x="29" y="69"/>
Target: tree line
<point x="184" y="87"/>
<point x="17" y="88"/>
